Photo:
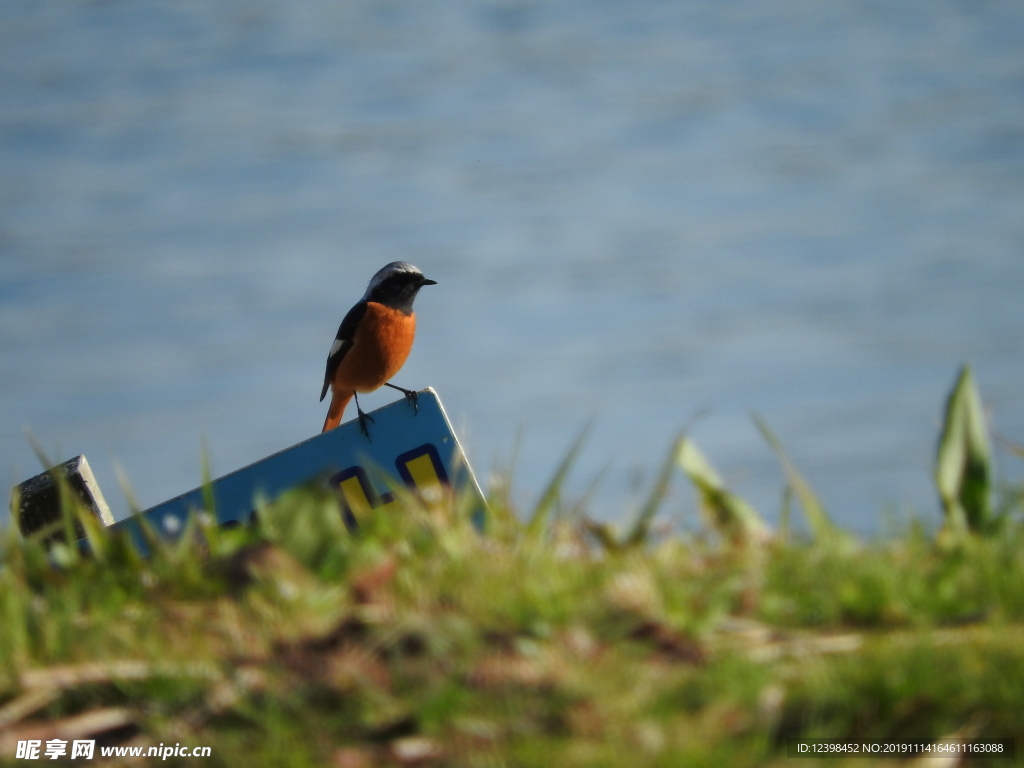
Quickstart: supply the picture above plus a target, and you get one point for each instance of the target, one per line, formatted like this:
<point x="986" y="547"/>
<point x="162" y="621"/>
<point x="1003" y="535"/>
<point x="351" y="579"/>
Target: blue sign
<point x="413" y="446"/>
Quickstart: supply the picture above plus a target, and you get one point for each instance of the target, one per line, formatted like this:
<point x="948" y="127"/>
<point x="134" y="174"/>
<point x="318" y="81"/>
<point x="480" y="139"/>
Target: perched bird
<point x="373" y="340"/>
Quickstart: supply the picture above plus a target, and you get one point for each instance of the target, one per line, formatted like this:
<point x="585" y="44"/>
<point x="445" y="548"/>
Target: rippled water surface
<point x="639" y="210"/>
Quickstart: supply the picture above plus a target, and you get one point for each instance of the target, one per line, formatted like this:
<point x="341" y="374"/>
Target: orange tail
<point x="337" y="409"/>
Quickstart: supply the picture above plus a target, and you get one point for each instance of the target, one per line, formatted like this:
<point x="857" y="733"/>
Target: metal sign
<point x="413" y="446"/>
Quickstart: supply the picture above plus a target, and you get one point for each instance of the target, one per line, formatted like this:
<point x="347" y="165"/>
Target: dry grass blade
<point x="96" y="672"/>
<point x="77" y="727"/>
<point x="1013" y="447"/>
<point x="413" y="750"/>
<point x="26" y="704"/>
<point x="804" y="647"/>
<point x="953" y="757"/>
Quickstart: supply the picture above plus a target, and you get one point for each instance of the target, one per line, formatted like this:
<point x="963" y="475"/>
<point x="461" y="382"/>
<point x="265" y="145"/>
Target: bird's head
<point x="396" y="285"/>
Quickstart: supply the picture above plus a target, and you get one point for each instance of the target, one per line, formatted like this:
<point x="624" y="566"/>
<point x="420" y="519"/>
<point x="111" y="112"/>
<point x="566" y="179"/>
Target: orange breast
<point x="380" y="347"/>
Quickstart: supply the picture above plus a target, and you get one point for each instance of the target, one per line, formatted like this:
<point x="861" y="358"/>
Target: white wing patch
<point x="338" y="344"/>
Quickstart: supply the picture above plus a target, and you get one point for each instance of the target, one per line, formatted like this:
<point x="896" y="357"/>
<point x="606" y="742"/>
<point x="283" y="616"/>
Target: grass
<point x="420" y="641"/>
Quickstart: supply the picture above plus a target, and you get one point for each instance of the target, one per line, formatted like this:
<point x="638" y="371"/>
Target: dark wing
<point x="342" y="342"/>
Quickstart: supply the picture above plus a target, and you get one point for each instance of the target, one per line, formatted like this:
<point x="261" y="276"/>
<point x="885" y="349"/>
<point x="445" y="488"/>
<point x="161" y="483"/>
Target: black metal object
<point x="38" y="498"/>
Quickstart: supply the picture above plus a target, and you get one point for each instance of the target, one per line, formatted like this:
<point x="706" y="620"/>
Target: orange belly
<point x="380" y="347"/>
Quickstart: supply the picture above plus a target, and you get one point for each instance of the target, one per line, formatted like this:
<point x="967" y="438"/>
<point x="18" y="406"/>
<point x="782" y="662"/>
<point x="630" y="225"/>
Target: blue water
<point x="640" y="211"/>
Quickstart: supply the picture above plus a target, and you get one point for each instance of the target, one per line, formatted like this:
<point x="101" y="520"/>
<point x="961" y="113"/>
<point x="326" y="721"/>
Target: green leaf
<point x="814" y="510"/>
<point x="963" y="462"/>
<point x="731" y="516"/>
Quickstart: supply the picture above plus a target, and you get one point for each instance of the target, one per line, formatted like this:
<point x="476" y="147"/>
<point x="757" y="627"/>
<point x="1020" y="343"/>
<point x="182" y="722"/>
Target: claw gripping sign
<point x="410" y="444"/>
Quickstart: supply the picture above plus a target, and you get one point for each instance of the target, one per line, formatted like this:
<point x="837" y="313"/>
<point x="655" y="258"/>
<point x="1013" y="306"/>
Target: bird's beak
<point x="424" y="281"/>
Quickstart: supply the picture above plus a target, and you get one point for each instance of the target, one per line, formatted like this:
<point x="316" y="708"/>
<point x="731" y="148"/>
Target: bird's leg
<point x="363" y="417"/>
<point x="412" y="397"/>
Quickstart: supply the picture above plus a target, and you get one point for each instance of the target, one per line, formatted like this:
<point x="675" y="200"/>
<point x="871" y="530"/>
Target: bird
<point x="373" y="341"/>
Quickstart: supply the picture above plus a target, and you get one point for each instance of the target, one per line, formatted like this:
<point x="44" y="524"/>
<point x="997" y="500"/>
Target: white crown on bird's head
<point x="396" y="269"/>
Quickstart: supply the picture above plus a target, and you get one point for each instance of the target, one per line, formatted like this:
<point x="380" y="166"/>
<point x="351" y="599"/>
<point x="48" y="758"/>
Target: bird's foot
<point x="411" y="396"/>
<point x="363" y="418"/>
<point x="414" y="400"/>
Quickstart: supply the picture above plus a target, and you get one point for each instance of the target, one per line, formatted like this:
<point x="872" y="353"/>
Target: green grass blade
<point x="785" y="513"/>
<point x="15" y="508"/>
<point x="548" y="499"/>
<point x="814" y="510"/>
<point x="209" y="502"/>
<point x="963" y="461"/>
<point x="579" y="508"/>
<point x="132" y="500"/>
<point x="37" y="449"/>
<point x="642" y="525"/>
<point x="605" y="534"/>
<point x="95" y="532"/>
